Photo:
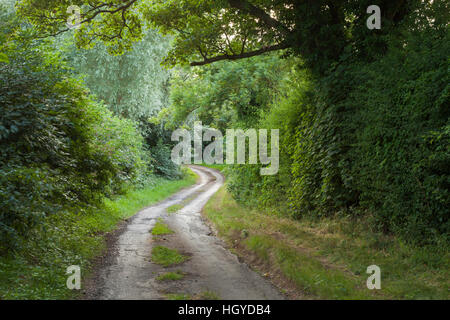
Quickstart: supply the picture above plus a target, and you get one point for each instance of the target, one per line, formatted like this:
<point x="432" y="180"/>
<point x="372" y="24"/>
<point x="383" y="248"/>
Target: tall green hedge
<point x="370" y="138"/>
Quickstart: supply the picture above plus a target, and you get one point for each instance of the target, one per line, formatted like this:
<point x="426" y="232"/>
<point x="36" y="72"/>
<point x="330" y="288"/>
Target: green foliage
<point x="133" y="85"/>
<point x="174" y="208"/>
<point x="4" y="58"/>
<point x="171" y="276"/>
<point x="369" y="138"/>
<point x="224" y="93"/>
<point x="401" y="158"/>
<point x="161" y="228"/>
<point x="38" y="271"/>
<point x="122" y="145"/>
<point x="327" y="258"/>
<point x="245" y="182"/>
<point x="212" y="30"/>
<point x="52" y="16"/>
<point x="59" y="148"/>
<point x="161" y="158"/>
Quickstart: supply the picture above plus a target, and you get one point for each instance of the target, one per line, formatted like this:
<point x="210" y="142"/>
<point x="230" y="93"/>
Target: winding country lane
<point x="128" y="272"/>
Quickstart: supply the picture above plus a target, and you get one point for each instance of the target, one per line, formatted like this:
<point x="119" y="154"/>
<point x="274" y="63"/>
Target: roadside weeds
<point x="322" y="259"/>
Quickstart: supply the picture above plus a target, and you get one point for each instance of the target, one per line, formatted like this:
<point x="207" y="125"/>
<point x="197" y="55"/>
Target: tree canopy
<point x="133" y="85"/>
<point x="224" y="93"/>
<point x="207" y="31"/>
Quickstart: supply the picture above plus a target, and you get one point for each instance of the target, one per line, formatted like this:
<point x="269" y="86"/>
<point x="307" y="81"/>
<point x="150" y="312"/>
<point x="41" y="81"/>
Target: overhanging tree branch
<point x="243" y="55"/>
<point x="92" y="14"/>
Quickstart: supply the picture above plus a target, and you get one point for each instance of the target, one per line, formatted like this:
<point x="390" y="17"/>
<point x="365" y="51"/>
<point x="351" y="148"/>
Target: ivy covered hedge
<point x="369" y="138"/>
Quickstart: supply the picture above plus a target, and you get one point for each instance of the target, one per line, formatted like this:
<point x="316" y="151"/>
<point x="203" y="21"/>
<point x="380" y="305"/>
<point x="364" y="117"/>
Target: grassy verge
<point x="328" y="259"/>
<point x="72" y="238"/>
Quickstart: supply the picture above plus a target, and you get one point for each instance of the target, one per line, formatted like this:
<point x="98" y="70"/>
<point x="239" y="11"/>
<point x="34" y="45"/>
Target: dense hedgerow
<point x="369" y="138"/>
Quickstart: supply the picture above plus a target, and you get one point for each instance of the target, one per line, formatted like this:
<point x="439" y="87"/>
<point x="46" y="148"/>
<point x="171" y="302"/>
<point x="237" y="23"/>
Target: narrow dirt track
<point x="128" y="273"/>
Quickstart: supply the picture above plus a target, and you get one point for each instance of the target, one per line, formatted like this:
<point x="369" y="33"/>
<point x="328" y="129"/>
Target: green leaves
<point x="58" y="148"/>
<point x="115" y="23"/>
<point x="370" y="138"/>
<point x="227" y="92"/>
<point x="133" y="85"/>
<point x="202" y="30"/>
<point x="207" y="31"/>
<point x="4" y="58"/>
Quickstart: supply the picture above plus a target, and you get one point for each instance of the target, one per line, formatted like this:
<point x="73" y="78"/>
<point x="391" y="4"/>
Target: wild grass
<point x="167" y="257"/>
<point x="73" y="237"/>
<point x="174" y="208"/>
<point x="171" y="276"/>
<point x="328" y="258"/>
<point x="178" y="296"/>
<point x="161" y="229"/>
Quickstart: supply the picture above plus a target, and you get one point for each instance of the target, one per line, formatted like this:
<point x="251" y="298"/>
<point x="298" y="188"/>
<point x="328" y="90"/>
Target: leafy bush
<point x="399" y="160"/>
<point x="370" y="138"/>
<point x="58" y="148"/>
<point x="162" y="162"/>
